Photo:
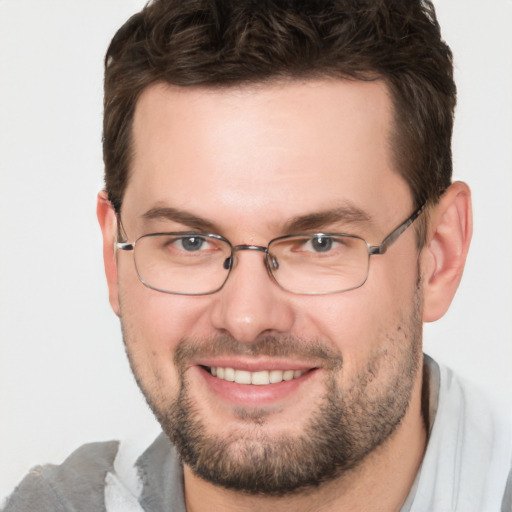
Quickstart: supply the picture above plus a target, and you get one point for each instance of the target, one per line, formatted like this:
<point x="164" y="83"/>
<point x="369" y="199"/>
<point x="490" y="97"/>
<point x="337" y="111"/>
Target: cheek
<point x="361" y="323"/>
<point x="157" y="320"/>
<point x="153" y="324"/>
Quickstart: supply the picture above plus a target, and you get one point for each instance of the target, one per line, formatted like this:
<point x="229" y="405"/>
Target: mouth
<point x="254" y="384"/>
<point x="257" y="378"/>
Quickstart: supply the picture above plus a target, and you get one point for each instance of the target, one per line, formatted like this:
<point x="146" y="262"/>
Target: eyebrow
<point x="179" y="216"/>
<point x="344" y="214"/>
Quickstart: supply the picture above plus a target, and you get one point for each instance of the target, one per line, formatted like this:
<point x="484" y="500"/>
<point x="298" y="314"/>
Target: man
<point x="279" y="220"/>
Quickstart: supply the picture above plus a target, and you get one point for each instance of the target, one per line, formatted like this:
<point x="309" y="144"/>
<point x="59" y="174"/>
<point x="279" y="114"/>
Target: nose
<point x="251" y="304"/>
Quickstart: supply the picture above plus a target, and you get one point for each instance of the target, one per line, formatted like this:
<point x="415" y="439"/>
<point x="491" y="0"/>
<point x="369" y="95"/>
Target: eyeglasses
<point x="192" y="263"/>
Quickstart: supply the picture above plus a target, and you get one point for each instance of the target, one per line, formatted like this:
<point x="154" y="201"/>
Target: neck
<point x="382" y="481"/>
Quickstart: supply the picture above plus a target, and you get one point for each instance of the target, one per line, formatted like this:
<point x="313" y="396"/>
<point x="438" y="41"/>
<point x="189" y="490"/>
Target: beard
<point x="348" y="424"/>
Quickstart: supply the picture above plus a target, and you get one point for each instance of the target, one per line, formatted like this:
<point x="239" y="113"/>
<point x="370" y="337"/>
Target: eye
<point x="191" y="243"/>
<point x="182" y="246"/>
<point x="320" y="243"/>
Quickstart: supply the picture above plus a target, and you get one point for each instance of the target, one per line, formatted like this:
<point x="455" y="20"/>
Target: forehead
<point x="264" y="152"/>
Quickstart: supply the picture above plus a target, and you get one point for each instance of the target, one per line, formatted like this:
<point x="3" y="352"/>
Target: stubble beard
<point x="348" y="425"/>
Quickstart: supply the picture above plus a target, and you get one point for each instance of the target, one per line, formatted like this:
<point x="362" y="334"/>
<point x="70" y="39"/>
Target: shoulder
<point x="76" y="484"/>
<point x="107" y="476"/>
<point x="467" y="460"/>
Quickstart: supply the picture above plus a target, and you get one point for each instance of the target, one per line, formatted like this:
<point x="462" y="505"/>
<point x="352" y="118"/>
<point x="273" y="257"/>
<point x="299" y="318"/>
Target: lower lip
<point x="250" y="395"/>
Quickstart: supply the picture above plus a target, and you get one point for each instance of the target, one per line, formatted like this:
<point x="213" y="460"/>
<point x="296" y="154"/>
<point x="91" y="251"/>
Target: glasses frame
<point x="270" y="262"/>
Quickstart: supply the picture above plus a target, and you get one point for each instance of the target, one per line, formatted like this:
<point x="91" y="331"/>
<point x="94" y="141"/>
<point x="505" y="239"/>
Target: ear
<point x="444" y="256"/>
<point x="108" y="223"/>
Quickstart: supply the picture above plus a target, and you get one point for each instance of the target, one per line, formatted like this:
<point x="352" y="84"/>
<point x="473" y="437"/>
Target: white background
<point x="64" y="379"/>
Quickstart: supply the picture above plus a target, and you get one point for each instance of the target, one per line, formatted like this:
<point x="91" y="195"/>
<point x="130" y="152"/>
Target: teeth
<point x="229" y="374"/>
<point x="260" y="378"/>
<point x="242" y="377"/>
<point x="256" y="378"/>
<point x="288" y="375"/>
<point x="275" y="376"/>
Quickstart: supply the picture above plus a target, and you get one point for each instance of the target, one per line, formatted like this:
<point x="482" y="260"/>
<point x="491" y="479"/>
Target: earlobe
<point x="444" y="256"/>
<point x="108" y="223"/>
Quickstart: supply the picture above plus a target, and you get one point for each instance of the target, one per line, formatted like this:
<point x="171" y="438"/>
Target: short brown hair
<point x="221" y="43"/>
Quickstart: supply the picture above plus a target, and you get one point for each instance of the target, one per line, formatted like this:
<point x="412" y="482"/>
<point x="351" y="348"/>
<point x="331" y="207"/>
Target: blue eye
<point x="321" y="243"/>
<point x="192" y="243"/>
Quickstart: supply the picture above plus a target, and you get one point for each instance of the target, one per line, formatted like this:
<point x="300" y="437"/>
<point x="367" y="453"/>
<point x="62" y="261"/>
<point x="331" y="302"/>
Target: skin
<point x="249" y="161"/>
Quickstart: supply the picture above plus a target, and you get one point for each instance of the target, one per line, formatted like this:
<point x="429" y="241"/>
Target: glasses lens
<point x="182" y="263"/>
<point x="319" y="263"/>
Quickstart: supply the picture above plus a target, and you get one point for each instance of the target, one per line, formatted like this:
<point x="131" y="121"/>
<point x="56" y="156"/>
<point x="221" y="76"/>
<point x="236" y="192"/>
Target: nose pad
<point x="228" y="262"/>
<point x="272" y="261"/>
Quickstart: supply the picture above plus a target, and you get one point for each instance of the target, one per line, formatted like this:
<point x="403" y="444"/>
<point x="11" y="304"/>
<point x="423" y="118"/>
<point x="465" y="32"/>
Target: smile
<point x="260" y="378"/>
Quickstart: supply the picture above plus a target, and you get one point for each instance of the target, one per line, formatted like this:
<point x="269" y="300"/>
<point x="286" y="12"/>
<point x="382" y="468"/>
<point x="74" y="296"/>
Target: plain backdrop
<point x="64" y="379"/>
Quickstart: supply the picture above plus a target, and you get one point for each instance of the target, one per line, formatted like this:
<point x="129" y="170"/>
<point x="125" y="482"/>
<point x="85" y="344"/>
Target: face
<point x="251" y="164"/>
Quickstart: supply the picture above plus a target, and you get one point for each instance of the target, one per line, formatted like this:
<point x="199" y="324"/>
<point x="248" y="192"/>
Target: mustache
<point x="282" y="346"/>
